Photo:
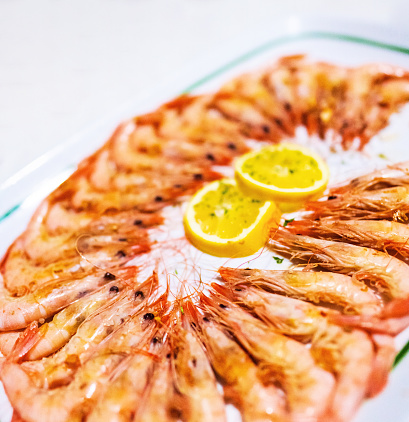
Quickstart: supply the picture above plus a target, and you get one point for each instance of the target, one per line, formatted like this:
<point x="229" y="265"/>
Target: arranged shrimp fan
<point x="107" y="312"/>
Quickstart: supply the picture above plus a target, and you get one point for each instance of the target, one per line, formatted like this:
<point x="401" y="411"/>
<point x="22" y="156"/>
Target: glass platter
<point x="337" y="42"/>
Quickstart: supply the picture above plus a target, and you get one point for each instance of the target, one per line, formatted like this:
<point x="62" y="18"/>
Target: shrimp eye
<point x="168" y="356"/>
<point x="210" y="157"/>
<point x="206" y="319"/>
<point x="198" y="176"/>
<point x="238" y="290"/>
<point x="222" y="306"/>
<point x="121" y="254"/>
<point x="139" y="294"/>
<point x="114" y="289"/>
<point x="158" y="198"/>
<point x="332" y="197"/>
<point x="109" y="276"/>
<point x="175" y="413"/>
<point x="231" y="146"/>
<point x="156" y="340"/>
<point x="149" y="316"/>
<point x="123" y="239"/>
<point x="266" y="129"/>
<point x="137" y="222"/>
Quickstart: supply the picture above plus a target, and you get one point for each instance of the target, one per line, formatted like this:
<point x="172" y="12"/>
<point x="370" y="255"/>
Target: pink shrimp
<point x="194" y="378"/>
<point x="313" y="286"/>
<point x="376" y="234"/>
<point x="242" y="387"/>
<point x="388" y="203"/>
<point x="386" y="272"/>
<point x="50" y="298"/>
<point x="390" y="176"/>
<point x="308" y="387"/>
<point x="346" y="354"/>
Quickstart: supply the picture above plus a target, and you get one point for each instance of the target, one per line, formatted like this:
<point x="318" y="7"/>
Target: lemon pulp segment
<point x="284" y="173"/>
<point x="283" y="168"/>
<point x="221" y="221"/>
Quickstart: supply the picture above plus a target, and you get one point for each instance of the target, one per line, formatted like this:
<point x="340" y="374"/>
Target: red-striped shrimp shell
<point x="346" y="354"/>
<point x="387" y="273"/>
<point x="377" y="234"/>
<point x="238" y="373"/>
<point x="194" y="378"/>
<point x="308" y="388"/>
<point x="388" y="203"/>
<point x="313" y="286"/>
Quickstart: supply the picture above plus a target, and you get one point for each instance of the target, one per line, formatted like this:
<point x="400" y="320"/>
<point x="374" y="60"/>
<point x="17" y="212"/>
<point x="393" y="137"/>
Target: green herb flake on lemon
<point x="286" y="173"/>
<point x="220" y="220"/>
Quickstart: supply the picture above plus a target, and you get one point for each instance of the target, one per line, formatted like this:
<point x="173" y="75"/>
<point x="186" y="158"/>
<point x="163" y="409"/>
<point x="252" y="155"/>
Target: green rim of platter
<point x="276" y="42"/>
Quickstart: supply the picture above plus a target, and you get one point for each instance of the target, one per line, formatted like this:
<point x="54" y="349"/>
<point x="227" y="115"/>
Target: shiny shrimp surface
<point x="239" y="374"/>
<point x="313" y="286"/>
<point x="386" y="272"/>
<point x="377" y="234"/>
<point x="308" y="387"/>
<point x="348" y="355"/>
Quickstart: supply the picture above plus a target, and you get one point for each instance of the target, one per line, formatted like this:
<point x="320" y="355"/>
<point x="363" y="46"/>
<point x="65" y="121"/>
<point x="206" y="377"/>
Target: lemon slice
<point x="286" y="173"/>
<point x="221" y="221"/>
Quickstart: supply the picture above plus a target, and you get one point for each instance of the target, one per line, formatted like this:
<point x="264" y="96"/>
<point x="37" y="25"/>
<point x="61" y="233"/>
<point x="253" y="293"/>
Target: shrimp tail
<point x="390" y="326"/>
<point x="385" y="353"/>
<point x="27" y="339"/>
<point x="396" y="308"/>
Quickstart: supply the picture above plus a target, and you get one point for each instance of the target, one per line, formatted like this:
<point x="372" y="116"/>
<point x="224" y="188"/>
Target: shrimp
<point x="56" y="333"/>
<point x="308" y="387"/>
<point x="388" y="203"/>
<point x="127" y="386"/>
<point x="73" y="401"/>
<point x="48" y="299"/>
<point x="386" y="272"/>
<point x="346" y="354"/>
<point x="21" y="275"/>
<point x="160" y="402"/>
<point x="194" y="378"/>
<point x="313" y="286"/>
<point x="292" y="317"/>
<point x="390" y="176"/>
<point x="257" y="402"/>
<point x="125" y="311"/>
<point x="61" y="404"/>
<point x="250" y="120"/>
<point x="251" y="86"/>
<point x="376" y="234"/>
<point x="385" y="353"/>
<point x="392" y="320"/>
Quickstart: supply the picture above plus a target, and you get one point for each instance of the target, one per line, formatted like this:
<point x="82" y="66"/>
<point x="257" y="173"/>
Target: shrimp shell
<point x="376" y="234"/>
<point x="281" y="359"/>
<point x="386" y="272"/>
<point x="313" y="286"/>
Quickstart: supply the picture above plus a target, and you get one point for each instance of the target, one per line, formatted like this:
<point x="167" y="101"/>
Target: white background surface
<point x="66" y="64"/>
